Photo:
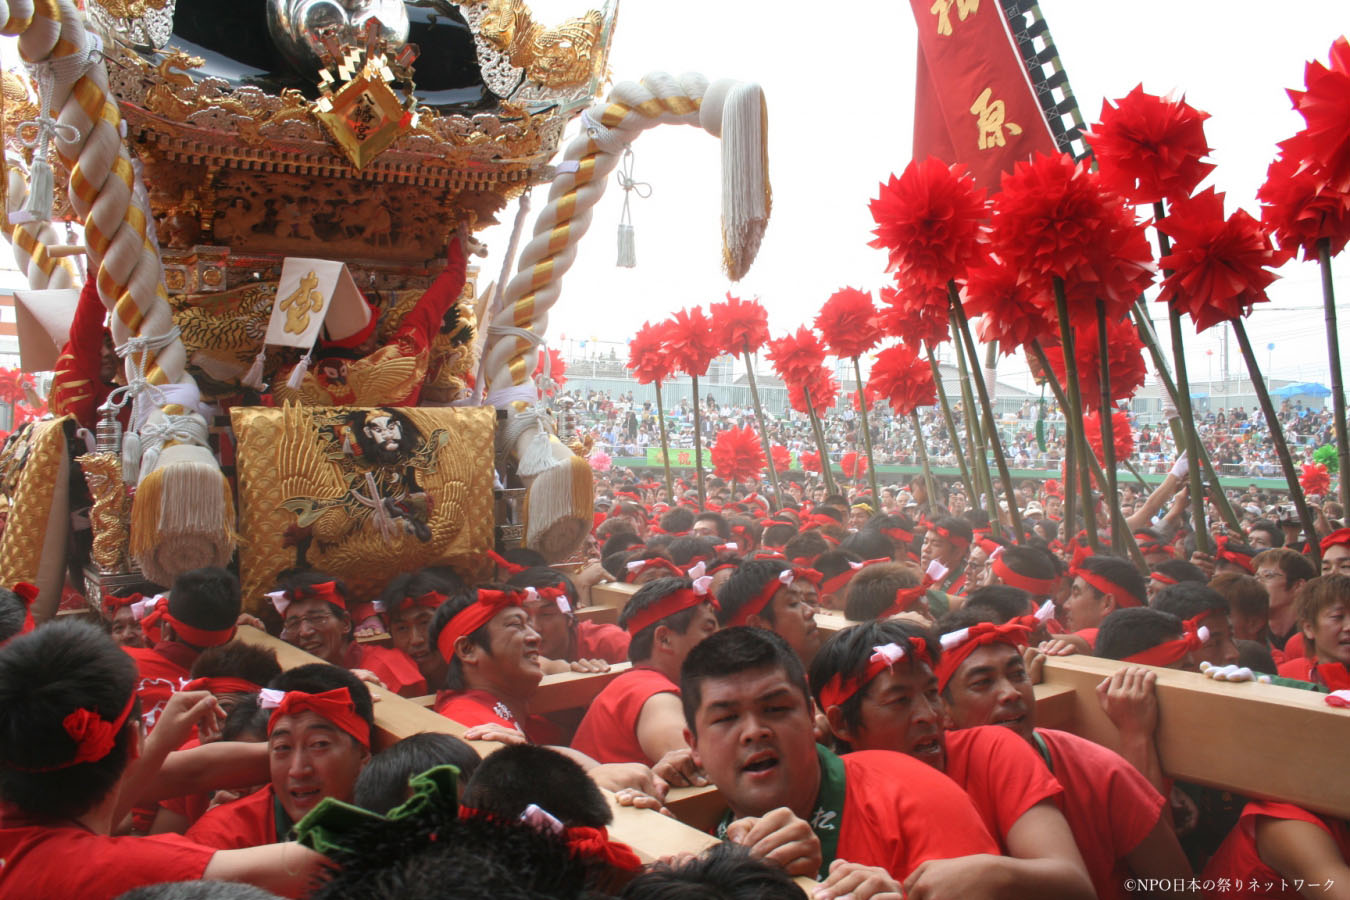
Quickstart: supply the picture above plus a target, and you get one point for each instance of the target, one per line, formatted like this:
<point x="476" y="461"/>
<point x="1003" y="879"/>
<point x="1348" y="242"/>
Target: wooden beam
<point x="1258" y="740"/>
<point x="600" y="615"/>
<point x="572" y="690"/>
<point x="612" y="594"/>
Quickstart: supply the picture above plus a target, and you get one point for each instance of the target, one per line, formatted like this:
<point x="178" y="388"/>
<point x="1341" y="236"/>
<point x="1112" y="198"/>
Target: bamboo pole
<point x="1337" y="384"/>
<point x="826" y="469"/>
<point x="867" y="435"/>
<point x="763" y="429"/>
<point x="923" y="457"/>
<point x="1074" y="432"/>
<point x="995" y="442"/>
<point x="1108" y="427"/>
<point x="698" y="446"/>
<point x="980" y="462"/>
<point x="665" y="445"/>
<point x="951" y="424"/>
<point x="1277" y="438"/>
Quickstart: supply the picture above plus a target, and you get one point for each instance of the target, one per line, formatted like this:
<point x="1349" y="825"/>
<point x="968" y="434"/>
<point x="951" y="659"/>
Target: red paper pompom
<point x="848" y="322"/>
<point x="737" y="455"/>
<point x="1314" y="479"/>
<point x="868" y="393"/>
<point x="741" y="325"/>
<point x="852" y="461"/>
<point x="1122" y="435"/>
<point x="1325" y="107"/>
<point x="902" y="379"/>
<point x="929" y="220"/>
<point x="12" y="385"/>
<point x="690" y="340"/>
<point x="1218" y="266"/>
<point x="782" y="459"/>
<point x="1124" y="359"/>
<point x="810" y="461"/>
<point x="916" y="316"/>
<point x="1053" y="219"/>
<point x="1149" y="148"/>
<point x="1299" y="208"/>
<point x="796" y="356"/>
<point x="648" y="357"/>
<point x="823" y="388"/>
<point x="557" y="369"/>
<point x="1011" y="311"/>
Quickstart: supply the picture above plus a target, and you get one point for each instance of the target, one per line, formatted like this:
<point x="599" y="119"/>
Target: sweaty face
<point x="1219" y="650"/>
<point x="902" y="710"/>
<point x="1086" y="607"/>
<point x="755" y="741"/>
<point x="311" y="759"/>
<point x="312" y="626"/>
<point x="937" y="547"/>
<point x="126" y="631"/>
<point x="1260" y="539"/>
<point x="1277" y="585"/>
<point x="794" y="618"/>
<point x="411" y="632"/>
<point x="1336" y="561"/>
<point x="705" y="528"/>
<point x="992" y="688"/>
<point x="1330" y="635"/>
<point x="977" y="567"/>
<point x="514" y="663"/>
<point x="554" y="627"/>
<point x="703" y="624"/>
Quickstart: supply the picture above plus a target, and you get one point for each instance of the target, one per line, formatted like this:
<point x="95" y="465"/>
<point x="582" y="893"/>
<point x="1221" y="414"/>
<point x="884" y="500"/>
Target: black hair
<point x="869" y="544"/>
<point x="247" y="721"/>
<point x="383" y="783"/>
<point x="1135" y="629"/>
<point x="198" y="890"/>
<point x="719" y="521"/>
<point x="724" y="871"/>
<point x="417" y="584"/>
<point x="806" y="545"/>
<point x="835" y="562"/>
<point x="297" y="582"/>
<point x="1120" y="572"/>
<point x="1270" y="528"/>
<point x="847" y="651"/>
<point x="686" y="548"/>
<point x="512" y="778"/>
<point x="205" y="598"/>
<point x="832" y="506"/>
<point x="1186" y="600"/>
<point x="524" y="556"/>
<point x="614" y="563"/>
<point x="730" y="652"/>
<point x="1243" y="592"/>
<point x="546" y="576"/>
<point x="238" y="660"/>
<point x="778" y="534"/>
<point x="872" y="591"/>
<point x="640" y="647"/>
<point x="315" y="678"/>
<point x="751" y="528"/>
<point x="677" y="520"/>
<point x="1002" y="601"/>
<point x="13" y="614"/>
<point x="44" y="677"/>
<point x="1030" y="562"/>
<point x="958" y="526"/>
<point x="619" y="542"/>
<point x="1180" y="570"/>
<point x="454" y="678"/>
<point x="744" y="584"/>
<point x="1255" y="655"/>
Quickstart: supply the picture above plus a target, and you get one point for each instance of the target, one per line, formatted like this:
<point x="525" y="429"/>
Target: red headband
<point x="957" y="540"/>
<point x="1160" y="577"/>
<point x="27" y="592"/>
<point x="1152" y="545"/>
<point x="1167" y="653"/>
<point x="336" y="706"/>
<point x="1222" y="552"/>
<point x="1339" y="537"/>
<point x="1037" y="587"/>
<point x="199" y="637"/>
<point x="673" y="603"/>
<point x="325" y="590"/>
<point x="957" y="646"/>
<point x="475" y="616"/>
<point x="429" y="600"/>
<point x="1101" y="583"/>
<point x="906" y="597"/>
<point x="884" y="656"/>
<point x="112" y="603"/>
<point x="504" y="563"/>
<point x="223" y="685"/>
<point x="94" y="737"/>
<point x="755" y="605"/>
<point x="836" y="583"/>
<point x="638" y="566"/>
<point x="555" y="594"/>
<point x="901" y="536"/>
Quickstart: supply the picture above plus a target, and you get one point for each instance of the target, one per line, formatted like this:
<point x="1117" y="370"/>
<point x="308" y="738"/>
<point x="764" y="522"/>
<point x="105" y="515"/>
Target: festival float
<point x="277" y="198"/>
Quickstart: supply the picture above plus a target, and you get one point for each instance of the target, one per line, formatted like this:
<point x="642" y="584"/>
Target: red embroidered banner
<point x="974" y="102"/>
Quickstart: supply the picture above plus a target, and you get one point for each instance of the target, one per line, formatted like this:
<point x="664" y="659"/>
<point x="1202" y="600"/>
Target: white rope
<point x="138" y="390"/>
<point x="610" y="140"/>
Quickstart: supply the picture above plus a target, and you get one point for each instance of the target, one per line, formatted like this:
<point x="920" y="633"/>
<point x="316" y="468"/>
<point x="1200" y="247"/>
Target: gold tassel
<point x="182" y="517"/>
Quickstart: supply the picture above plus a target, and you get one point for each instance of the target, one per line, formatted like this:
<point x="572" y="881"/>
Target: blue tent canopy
<point x="1302" y="389"/>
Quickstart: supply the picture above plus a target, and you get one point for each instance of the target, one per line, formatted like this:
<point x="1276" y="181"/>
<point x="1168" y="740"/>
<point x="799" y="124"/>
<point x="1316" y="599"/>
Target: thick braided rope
<point x="31" y="240"/>
<point x="583" y="176"/>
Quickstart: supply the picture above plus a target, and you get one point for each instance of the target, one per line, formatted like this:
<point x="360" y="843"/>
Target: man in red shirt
<point x="568" y="644"/>
<point x="201" y="612"/>
<point x="876" y="686"/>
<point x="1119" y="820"/>
<point x="68" y="751"/>
<point x="317" y="611"/>
<point x="318" y="741"/>
<point x="1200" y="606"/>
<point x="775" y="595"/>
<point x="948" y="541"/>
<point x="1323" y="607"/>
<point x="409" y="603"/>
<point x="492" y="655"/>
<point x="638" y="717"/>
<point x="1101" y="585"/>
<point x="749" y="722"/>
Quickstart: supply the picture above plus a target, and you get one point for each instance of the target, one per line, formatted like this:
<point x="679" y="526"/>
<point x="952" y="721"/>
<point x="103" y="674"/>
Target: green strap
<point x="280" y="820"/>
<point x="826" y="816"/>
<point x="1043" y="749"/>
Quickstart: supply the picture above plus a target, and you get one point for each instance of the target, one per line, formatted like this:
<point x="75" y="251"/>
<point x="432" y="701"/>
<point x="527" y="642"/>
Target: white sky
<point x="839" y="82"/>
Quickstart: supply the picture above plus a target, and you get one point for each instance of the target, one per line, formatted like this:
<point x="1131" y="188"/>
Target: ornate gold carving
<point x="385" y="376"/>
<point x="30" y="464"/>
<point x="110" y="513"/>
<point x="555" y="57"/>
<point x="310" y="494"/>
<point x="131" y="9"/>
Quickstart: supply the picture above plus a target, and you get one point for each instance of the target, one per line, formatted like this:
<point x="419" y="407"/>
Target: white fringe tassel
<point x="746" y="194"/>
<point x="627" y="247"/>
